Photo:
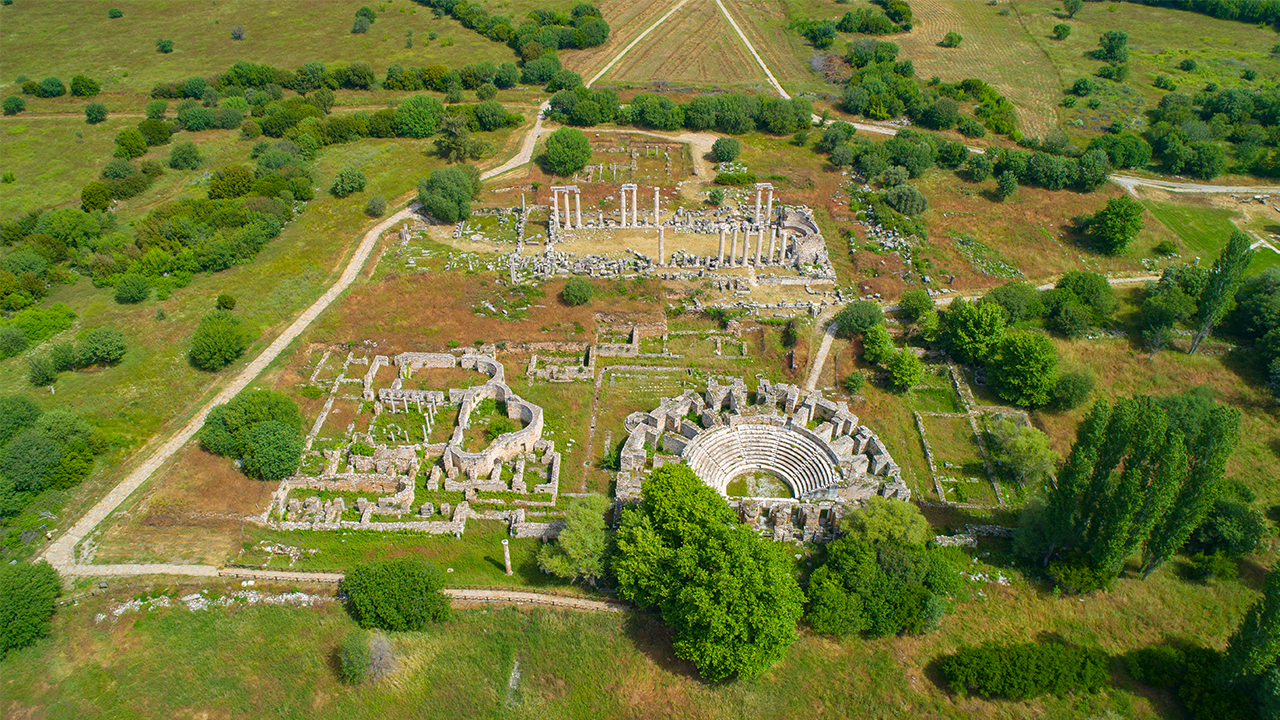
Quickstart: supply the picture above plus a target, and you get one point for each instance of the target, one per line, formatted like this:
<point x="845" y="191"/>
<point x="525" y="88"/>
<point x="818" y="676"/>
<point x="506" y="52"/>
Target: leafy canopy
<point x="728" y="594"/>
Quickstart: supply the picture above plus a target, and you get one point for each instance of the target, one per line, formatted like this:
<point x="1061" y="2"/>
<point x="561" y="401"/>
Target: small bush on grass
<point x="854" y="382"/>
<point x="41" y="372"/>
<point x="1025" y="670"/>
<point x="376" y="206"/>
<point x="132" y="289"/>
<point x="115" y="13"/>
<point x="347" y="181"/>
<point x="164" y="45"/>
<point x="95" y="113"/>
<point x="398" y="595"/>
<point x="14" y="105"/>
<point x="219" y="339"/>
<point x="577" y="291"/>
<point x="353" y="657"/>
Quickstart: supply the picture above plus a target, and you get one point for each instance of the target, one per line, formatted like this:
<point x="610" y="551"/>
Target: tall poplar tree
<point x="1209" y="449"/>
<point x="1224" y="278"/>
<point x="1254" y="648"/>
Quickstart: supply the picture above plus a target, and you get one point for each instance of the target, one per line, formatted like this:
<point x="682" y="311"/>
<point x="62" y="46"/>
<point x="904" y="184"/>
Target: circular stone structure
<point x="759" y="444"/>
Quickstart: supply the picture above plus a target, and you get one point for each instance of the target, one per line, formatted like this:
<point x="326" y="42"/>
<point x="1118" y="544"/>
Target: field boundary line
<point x="608" y="66"/>
<point x="752" y="48"/>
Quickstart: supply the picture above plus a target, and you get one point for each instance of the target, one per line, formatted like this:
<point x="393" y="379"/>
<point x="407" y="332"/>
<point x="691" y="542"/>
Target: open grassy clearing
<point x="274" y="662"/>
<point x="764" y="22"/>
<point x="76" y="36"/>
<point x="1204" y="226"/>
<point x="1159" y="39"/>
<point x="1123" y="369"/>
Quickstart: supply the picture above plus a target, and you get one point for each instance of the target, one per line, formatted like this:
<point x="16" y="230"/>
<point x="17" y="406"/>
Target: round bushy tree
<point x="400" y="595"/>
<point x="219" y="339"/>
<point x="568" y="151"/>
<point x="418" y="117"/>
<point x="906" y="200"/>
<point x="84" y="86"/>
<point x="95" y="113"/>
<point x="273" y="450"/>
<point x="17" y="413"/>
<point x="577" y="291"/>
<point x="100" y="346"/>
<point x="225" y="301"/>
<point x="132" y="289"/>
<point x="130" y="143"/>
<point x="27" y="596"/>
<point x="905" y="369"/>
<point x="858" y="317"/>
<point x="51" y="87"/>
<point x="376" y="206"/>
<point x="95" y="197"/>
<point x="14" y="105"/>
<point x="726" y="149"/>
<point x="348" y="181"/>
<point x="915" y="303"/>
<point x="490" y="115"/>
<point x="184" y="156"/>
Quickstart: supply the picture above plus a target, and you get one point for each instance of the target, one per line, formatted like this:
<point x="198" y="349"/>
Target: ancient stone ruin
<point x="400" y="486"/>
<point x="815" y="447"/>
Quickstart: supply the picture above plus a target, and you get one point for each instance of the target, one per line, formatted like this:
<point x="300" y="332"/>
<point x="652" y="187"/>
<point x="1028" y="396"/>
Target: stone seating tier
<point x="719" y="456"/>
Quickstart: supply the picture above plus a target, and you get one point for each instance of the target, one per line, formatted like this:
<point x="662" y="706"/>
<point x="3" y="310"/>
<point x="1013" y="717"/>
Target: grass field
<point x="695" y="46"/>
<point x="1159" y="40"/>
<point x="76" y="36"/>
<point x="273" y="662"/>
<point x="1205" y="229"/>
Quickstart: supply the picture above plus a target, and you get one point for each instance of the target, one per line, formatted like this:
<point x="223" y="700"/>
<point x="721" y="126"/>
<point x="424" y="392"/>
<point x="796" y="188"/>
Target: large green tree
<point x="581" y="551"/>
<point x="447" y="193"/>
<point x="567" y="152"/>
<point x="1253" y="650"/>
<point x="1117" y="224"/>
<point x="418" y="117"/>
<point x="1023" y="368"/>
<point x="727" y="593"/>
<point x="970" y="331"/>
<point x="1134" y="477"/>
<point x="1224" y="278"/>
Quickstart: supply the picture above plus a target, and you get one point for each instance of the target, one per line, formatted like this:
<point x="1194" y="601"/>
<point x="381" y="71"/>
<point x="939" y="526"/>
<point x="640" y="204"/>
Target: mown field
<point x="695" y="46"/>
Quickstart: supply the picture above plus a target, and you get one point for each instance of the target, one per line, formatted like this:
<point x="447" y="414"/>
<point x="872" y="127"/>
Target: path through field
<point x="61" y="552"/>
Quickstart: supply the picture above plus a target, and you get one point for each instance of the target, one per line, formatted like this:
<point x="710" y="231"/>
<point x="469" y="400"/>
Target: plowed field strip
<point x="764" y="22"/>
<point x="696" y="45"/>
<point x="627" y="20"/>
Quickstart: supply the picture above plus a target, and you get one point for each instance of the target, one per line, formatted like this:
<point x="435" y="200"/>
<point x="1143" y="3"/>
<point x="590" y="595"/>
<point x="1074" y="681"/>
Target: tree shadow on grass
<point x="653" y="640"/>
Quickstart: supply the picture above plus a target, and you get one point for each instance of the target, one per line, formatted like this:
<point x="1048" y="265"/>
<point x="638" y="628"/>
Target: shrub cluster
<point x="1026" y="670"/>
<point x="31" y="326"/>
<point x="398" y="595"/>
<point x="541" y="32"/>
<point x="27" y="596"/>
<point x="41" y="451"/>
<point x="261" y="428"/>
